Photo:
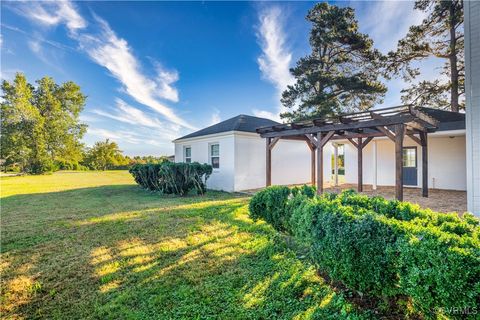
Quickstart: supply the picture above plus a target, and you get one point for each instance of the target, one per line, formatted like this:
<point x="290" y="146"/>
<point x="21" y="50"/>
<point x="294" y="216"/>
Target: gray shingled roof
<point x="448" y="121"/>
<point x="241" y="122"/>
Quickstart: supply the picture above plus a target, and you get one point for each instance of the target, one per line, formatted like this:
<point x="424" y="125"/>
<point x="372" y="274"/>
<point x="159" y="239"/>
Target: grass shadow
<point x="122" y="252"/>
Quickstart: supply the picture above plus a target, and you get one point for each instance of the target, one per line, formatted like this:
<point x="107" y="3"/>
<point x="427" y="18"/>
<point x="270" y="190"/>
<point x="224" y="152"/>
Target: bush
<point x="270" y="204"/>
<point x="172" y="178"/>
<point x="352" y="246"/>
<point x="381" y="247"/>
<point x="438" y="254"/>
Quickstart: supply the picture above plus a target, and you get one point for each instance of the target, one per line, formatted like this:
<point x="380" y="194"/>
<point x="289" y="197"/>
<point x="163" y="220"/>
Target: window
<point x="410" y="157"/>
<point x="215" y="155"/>
<point x="188" y="154"/>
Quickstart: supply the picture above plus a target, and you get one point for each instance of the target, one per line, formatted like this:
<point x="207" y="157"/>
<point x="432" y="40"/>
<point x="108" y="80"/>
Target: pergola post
<point x="312" y="165"/>
<point x="319" y="164"/>
<point x="374" y="165"/>
<point x="423" y="140"/>
<point x="268" y="164"/>
<point x="399" y="134"/>
<point x="360" y="164"/>
<point x="336" y="163"/>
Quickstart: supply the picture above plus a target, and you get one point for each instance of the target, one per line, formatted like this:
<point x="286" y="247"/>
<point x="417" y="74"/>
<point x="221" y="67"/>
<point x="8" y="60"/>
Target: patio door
<point x="410" y="171"/>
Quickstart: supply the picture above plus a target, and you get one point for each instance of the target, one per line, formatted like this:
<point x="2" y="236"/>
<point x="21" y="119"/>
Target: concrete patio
<point x="438" y="200"/>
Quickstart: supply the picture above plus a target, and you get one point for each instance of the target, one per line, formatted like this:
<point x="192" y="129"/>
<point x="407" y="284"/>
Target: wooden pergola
<point x="359" y="128"/>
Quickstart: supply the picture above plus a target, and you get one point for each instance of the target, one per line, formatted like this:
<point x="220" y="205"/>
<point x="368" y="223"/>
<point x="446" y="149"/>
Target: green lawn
<point x="94" y="245"/>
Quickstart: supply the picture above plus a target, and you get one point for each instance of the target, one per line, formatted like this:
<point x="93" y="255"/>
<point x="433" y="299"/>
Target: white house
<point x="238" y="155"/>
<point x="446" y="157"/>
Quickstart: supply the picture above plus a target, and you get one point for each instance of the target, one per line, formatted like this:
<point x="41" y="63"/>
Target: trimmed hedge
<point x="383" y="248"/>
<point x="172" y="178"/>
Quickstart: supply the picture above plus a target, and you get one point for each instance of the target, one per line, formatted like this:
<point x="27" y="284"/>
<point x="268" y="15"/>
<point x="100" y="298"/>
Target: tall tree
<point x="440" y="35"/>
<point x="22" y="139"/>
<point x="60" y="106"/>
<point x="41" y="125"/>
<point x="340" y="74"/>
<point x="104" y="155"/>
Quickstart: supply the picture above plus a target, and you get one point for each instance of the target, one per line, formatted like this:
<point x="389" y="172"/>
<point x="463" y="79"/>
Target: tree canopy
<point x="342" y="72"/>
<point x="40" y="125"/>
<point x="105" y="155"/>
<point x="440" y="35"/>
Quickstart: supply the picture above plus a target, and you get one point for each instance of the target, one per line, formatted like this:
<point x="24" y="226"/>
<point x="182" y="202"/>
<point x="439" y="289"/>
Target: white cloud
<point x="106" y="134"/>
<point x="35" y="46"/>
<point x="141" y="127"/>
<point x="266" y="114"/>
<point x="165" y="79"/>
<point x="387" y="21"/>
<point x="215" y="118"/>
<point x="54" y="13"/>
<point x="112" y="52"/>
<point x="274" y="63"/>
<point x="131" y="115"/>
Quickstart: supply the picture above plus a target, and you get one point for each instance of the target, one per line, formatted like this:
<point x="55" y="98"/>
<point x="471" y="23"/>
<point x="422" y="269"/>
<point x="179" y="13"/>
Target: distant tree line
<point x="41" y="130"/>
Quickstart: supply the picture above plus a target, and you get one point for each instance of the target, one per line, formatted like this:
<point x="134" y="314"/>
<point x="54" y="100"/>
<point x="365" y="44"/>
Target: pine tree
<point x="340" y="74"/>
<point x="440" y="35"/>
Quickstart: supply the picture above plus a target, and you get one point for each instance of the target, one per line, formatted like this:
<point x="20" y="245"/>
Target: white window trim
<point x="210" y="155"/>
<point x="185" y="153"/>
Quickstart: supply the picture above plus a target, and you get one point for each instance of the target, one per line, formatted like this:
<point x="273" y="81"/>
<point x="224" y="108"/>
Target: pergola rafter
<point x="359" y="128"/>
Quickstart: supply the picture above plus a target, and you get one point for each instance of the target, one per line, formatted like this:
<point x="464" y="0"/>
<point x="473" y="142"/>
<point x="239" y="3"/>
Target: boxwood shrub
<point x="270" y="204"/>
<point x="171" y="177"/>
<point x="383" y="247"/>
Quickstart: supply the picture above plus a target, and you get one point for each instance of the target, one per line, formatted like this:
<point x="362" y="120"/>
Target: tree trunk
<point x="453" y="60"/>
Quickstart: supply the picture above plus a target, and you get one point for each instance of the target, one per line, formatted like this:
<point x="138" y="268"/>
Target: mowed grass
<point x="94" y="245"/>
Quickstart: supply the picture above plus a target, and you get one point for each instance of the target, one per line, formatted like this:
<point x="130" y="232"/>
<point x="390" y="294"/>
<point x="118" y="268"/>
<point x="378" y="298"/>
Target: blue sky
<point x="154" y="71"/>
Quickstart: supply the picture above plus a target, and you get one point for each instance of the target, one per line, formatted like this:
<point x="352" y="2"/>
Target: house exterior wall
<point x="446" y="161"/>
<point x="290" y="162"/>
<point x="223" y="177"/>
<point x="472" y="99"/>
<point x="243" y="162"/>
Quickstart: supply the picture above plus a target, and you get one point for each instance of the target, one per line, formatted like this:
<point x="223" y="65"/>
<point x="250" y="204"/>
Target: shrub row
<point x="172" y="178"/>
<point x="380" y="247"/>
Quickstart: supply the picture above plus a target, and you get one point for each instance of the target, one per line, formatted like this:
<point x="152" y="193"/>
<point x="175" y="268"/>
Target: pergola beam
<point x="273" y="142"/>
<point x="416" y="139"/>
<point x="386" y="121"/>
<point x="387" y="132"/>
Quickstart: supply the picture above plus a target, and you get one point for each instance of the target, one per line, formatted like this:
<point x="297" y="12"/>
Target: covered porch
<point x="396" y="124"/>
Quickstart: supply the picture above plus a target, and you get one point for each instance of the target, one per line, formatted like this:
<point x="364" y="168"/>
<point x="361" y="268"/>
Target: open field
<point x="94" y="245"/>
